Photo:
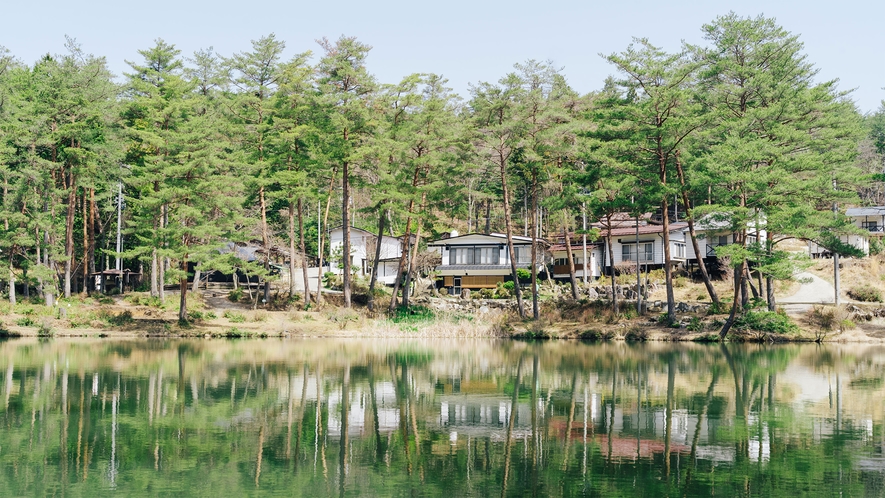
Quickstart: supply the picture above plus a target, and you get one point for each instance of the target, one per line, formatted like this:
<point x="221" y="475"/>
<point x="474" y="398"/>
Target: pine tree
<point x="346" y="90"/>
<point x="777" y="143"/>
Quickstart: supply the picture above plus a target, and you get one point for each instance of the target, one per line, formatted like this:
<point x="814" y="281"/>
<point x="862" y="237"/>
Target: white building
<point x="362" y="253"/>
<point x="870" y="222"/>
<point x="477" y="261"/>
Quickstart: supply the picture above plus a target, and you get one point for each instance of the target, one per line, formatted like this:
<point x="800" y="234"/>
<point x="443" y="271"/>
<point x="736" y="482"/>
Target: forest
<point x="183" y="154"/>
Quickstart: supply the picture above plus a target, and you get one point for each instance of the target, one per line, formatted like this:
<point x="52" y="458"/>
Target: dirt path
<point x="814" y="290"/>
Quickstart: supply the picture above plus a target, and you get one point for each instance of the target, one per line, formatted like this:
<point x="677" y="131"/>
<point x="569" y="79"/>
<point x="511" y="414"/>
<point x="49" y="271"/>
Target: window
<point x="474" y="256"/>
<point x="872" y="226"/>
<point x="645" y="253"/>
<point x="523" y="255"/>
<point x="680" y="251"/>
<point x="486" y="255"/>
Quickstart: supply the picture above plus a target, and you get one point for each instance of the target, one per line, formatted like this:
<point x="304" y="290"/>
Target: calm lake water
<point x="328" y="417"/>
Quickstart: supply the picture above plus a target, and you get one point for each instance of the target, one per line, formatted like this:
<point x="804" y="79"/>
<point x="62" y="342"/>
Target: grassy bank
<point x="214" y="315"/>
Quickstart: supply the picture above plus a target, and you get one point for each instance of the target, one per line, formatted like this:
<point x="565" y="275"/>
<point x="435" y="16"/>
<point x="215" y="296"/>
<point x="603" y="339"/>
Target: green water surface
<point x="449" y="418"/>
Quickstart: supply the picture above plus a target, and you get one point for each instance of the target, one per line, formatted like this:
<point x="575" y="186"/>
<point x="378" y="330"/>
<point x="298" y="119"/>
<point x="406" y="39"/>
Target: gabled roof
<point x="866" y="211"/>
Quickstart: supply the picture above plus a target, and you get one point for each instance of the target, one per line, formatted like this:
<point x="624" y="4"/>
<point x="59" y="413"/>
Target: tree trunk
<point x="319" y="298"/>
<point x="668" y="269"/>
<point x="711" y="291"/>
<point x="738" y="276"/>
<point x="407" y="241"/>
<point x="91" y="252"/>
<point x="571" y="263"/>
<point x="265" y="240"/>
<point x="303" y="250"/>
<point x="196" y="285"/>
<point x="291" y="216"/>
<point x="769" y="282"/>
<point x="508" y="223"/>
<point x="413" y="255"/>
<point x="611" y="264"/>
<point x="85" y="206"/>
<point x="182" y="289"/>
<point x="345" y="225"/>
<point x="536" y="308"/>
<point x="161" y="276"/>
<point x="371" y="298"/>
<point x="11" y="281"/>
<point x="69" y="233"/>
<point x="155" y="272"/>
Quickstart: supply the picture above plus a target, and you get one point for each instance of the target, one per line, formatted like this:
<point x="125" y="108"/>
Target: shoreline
<point x="212" y="314"/>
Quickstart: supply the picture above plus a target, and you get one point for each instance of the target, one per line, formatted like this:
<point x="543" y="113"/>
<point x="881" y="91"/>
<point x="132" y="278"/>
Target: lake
<point x="457" y="417"/>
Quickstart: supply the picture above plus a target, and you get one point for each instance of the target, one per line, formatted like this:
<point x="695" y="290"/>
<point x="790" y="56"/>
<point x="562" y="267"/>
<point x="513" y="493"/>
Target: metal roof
<point x="866" y="211"/>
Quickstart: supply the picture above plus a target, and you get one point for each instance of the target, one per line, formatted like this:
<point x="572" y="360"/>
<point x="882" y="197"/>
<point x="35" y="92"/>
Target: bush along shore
<point x="215" y="315"/>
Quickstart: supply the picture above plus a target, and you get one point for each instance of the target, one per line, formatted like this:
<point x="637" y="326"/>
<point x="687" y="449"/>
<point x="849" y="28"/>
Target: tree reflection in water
<point x="424" y="417"/>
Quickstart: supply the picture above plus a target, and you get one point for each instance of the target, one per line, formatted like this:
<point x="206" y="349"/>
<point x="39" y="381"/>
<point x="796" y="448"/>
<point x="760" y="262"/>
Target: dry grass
<point x="854" y="273"/>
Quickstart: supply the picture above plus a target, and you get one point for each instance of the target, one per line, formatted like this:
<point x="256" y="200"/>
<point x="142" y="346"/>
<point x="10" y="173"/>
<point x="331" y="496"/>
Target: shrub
<point x="259" y="316"/>
<point x="532" y="335"/>
<point x="596" y="335"/>
<point x="235" y="295"/>
<point x="234" y="333"/>
<point x="707" y="338"/>
<point x="720" y="308"/>
<point x="828" y="319"/>
<point x="866" y="293"/>
<point x="120" y="319"/>
<point x="509" y="285"/>
<point x="332" y="280"/>
<point x="695" y="325"/>
<point x="45" y="329"/>
<point x="412" y="314"/>
<point x="195" y="316"/>
<point x="765" y="321"/>
<point x="26" y="321"/>
<point x="210" y="315"/>
<point x="636" y="334"/>
<point x="234" y="316"/>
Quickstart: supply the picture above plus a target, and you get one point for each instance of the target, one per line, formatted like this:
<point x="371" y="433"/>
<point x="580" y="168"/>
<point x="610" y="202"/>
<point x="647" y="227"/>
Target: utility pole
<point x="119" y="262"/>
<point x="835" y="258"/>
<point x="584" y="240"/>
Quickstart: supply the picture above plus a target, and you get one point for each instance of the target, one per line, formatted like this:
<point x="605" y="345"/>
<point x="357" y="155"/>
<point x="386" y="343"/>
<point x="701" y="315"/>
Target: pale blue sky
<point x="466" y="41"/>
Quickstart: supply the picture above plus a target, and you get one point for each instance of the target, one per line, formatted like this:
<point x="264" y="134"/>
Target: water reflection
<point x="459" y="418"/>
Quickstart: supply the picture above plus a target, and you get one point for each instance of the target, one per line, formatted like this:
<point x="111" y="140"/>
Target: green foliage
<point x="695" y="325"/>
<point x="720" y="308"/>
<point x="772" y="322"/>
<point x="865" y="293"/>
<point x="234" y="316"/>
<point x="332" y="281"/>
<point x="121" y="319"/>
<point x="235" y="295"/>
<point x="26" y="321"/>
<point x="45" y="329"/>
<point x="594" y="335"/>
<point x="636" y="334"/>
<point x="523" y="274"/>
<point x="412" y="314"/>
